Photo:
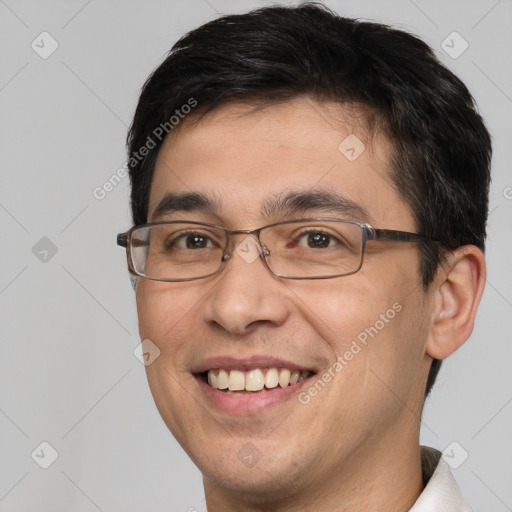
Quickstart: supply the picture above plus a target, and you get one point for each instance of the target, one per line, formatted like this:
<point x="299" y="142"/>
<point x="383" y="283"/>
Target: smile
<point x="249" y="386"/>
<point x="254" y="380"/>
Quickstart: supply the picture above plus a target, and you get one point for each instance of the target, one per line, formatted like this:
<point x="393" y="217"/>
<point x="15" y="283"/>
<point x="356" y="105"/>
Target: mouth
<point x="255" y="380"/>
<point x="250" y="386"/>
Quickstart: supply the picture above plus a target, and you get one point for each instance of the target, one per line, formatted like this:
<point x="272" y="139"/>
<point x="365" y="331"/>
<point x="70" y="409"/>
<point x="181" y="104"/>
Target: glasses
<point x="317" y="248"/>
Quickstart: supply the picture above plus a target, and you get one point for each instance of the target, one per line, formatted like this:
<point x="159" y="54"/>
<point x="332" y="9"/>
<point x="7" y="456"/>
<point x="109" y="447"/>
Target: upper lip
<point x="249" y="363"/>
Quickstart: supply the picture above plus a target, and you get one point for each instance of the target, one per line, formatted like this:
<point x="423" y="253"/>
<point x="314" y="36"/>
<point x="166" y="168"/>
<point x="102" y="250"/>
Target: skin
<point x="354" y="446"/>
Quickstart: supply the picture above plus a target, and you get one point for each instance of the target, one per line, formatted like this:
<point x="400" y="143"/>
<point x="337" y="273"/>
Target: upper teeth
<point x="254" y="380"/>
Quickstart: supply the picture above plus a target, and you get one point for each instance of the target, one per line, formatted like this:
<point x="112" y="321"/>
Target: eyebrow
<point x="280" y="206"/>
<point x="302" y="202"/>
<point x="187" y="202"/>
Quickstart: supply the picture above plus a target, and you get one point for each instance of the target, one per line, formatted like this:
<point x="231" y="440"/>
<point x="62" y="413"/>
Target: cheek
<point x="167" y="317"/>
<point x="163" y="311"/>
<point x="153" y="313"/>
<point x="375" y="332"/>
<point x="344" y="310"/>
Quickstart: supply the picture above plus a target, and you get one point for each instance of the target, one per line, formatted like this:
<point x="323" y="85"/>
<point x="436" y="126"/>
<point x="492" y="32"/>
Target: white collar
<point x="441" y="492"/>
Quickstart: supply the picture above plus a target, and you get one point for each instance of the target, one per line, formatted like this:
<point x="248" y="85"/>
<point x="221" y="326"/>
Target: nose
<point x="247" y="294"/>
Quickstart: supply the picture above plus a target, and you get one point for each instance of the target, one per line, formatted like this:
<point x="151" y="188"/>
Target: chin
<point x="267" y="477"/>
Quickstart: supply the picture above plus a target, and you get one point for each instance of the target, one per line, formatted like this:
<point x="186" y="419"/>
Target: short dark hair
<point x="441" y="148"/>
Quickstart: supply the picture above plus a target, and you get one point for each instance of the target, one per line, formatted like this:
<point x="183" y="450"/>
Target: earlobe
<point x="458" y="288"/>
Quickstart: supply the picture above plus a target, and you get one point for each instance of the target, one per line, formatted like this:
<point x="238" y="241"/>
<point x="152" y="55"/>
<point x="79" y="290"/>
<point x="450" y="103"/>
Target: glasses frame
<point x="368" y="232"/>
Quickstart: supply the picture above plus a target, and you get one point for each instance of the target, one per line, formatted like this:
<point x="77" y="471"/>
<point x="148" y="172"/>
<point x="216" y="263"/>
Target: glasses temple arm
<point x="396" y="236"/>
<point x="122" y="239"/>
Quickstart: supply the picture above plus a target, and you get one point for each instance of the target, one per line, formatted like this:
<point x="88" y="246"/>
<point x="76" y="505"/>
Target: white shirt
<point x="441" y="493"/>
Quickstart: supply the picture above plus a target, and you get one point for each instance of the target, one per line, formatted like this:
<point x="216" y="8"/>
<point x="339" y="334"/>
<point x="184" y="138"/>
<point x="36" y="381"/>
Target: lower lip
<point x="248" y="404"/>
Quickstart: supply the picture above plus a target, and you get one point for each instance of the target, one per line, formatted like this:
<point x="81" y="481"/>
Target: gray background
<point x="68" y="323"/>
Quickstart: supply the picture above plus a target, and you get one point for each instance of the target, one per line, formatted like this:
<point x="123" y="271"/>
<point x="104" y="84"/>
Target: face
<point x="358" y="341"/>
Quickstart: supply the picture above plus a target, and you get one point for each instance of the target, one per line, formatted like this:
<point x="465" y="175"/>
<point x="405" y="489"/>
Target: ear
<point x="457" y="290"/>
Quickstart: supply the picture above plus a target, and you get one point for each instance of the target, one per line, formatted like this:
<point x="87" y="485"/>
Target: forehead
<point x="245" y="158"/>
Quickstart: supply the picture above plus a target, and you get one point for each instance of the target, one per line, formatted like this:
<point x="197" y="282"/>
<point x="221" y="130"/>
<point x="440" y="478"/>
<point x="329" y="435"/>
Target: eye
<point x="316" y="239"/>
<point x="190" y="241"/>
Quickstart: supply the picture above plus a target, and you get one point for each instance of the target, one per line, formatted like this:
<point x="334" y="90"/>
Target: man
<point x="309" y="195"/>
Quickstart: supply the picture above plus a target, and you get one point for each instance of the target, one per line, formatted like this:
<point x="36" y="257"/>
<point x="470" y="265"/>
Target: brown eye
<point x="315" y="239"/>
<point x="196" y="242"/>
<point x="190" y="241"/>
<point x="320" y="240"/>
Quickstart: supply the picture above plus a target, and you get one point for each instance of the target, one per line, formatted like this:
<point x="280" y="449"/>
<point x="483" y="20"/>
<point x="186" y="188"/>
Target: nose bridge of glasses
<point x="245" y="242"/>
